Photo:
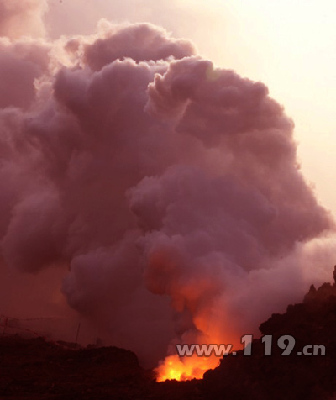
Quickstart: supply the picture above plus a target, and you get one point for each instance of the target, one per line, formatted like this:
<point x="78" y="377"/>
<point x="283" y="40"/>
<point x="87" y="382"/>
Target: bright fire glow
<point x="214" y="323"/>
<point x="185" y="368"/>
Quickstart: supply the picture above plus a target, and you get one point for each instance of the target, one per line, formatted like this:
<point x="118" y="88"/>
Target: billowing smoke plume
<point x="169" y="188"/>
<point x="22" y="18"/>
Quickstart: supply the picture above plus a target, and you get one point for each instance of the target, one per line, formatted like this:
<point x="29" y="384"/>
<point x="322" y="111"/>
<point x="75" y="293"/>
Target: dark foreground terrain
<point x="36" y="369"/>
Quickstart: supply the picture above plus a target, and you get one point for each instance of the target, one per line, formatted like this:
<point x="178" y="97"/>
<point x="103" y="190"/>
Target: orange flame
<point x="185" y="368"/>
<point x="212" y="324"/>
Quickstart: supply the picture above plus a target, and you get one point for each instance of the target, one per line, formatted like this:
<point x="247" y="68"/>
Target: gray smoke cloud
<point x="170" y="189"/>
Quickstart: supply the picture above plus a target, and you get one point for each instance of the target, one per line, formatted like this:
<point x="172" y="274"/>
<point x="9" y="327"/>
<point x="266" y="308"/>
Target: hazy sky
<point x="288" y="44"/>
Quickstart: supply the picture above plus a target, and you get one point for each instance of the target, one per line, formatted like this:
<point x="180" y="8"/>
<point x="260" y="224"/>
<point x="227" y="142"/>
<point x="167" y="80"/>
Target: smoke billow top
<point x="168" y="187"/>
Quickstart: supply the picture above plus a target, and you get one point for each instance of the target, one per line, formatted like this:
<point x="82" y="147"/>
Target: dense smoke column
<point x="161" y="182"/>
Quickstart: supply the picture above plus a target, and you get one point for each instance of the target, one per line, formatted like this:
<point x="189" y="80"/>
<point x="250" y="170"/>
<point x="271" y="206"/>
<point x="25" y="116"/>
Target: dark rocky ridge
<point x="282" y="377"/>
<point x="36" y="369"/>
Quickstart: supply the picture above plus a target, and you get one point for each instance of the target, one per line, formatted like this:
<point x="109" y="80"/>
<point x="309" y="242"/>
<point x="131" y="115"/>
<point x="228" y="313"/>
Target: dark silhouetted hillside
<point x="36" y="369"/>
<point x="312" y="322"/>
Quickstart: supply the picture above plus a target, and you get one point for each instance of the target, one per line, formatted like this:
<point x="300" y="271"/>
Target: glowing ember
<point x="185" y="368"/>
